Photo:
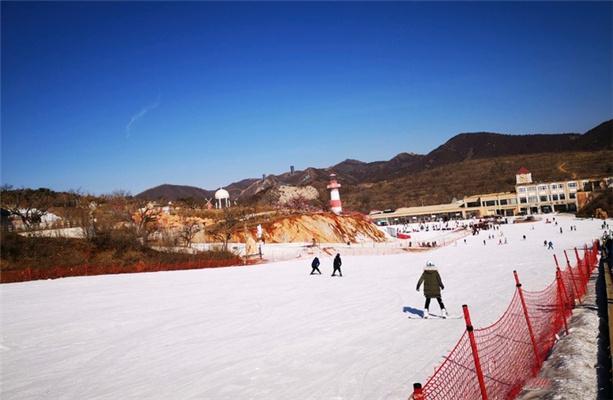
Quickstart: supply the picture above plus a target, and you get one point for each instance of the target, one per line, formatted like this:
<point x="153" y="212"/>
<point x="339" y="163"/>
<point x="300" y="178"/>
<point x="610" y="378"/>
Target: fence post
<point x="523" y="305"/>
<point x="577" y="257"/>
<point x="561" y="296"/>
<point x="580" y="265"/>
<point x="586" y="260"/>
<point x="473" y="345"/>
<point x="583" y="280"/>
<point x="418" y="393"/>
<point x="575" y="294"/>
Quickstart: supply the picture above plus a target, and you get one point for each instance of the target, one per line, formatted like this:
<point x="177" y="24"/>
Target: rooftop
<point x="523" y="170"/>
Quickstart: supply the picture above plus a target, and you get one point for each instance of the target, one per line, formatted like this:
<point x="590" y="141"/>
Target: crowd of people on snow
<point x="425" y="244"/>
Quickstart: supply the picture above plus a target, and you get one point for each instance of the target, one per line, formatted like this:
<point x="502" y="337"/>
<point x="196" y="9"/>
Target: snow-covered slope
<point x="262" y="332"/>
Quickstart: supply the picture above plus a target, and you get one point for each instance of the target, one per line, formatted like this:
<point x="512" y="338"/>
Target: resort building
<point x="529" y="198"/>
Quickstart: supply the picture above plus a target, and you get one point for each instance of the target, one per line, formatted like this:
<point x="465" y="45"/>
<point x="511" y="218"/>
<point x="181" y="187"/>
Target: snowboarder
<point x="315" y="266"/>
<point x="337" y="265"/>
<point x="432" y="288"/>
<point x="550" y="247"/>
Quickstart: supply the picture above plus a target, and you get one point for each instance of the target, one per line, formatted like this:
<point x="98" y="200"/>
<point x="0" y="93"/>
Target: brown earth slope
<point x="323" y="227"/>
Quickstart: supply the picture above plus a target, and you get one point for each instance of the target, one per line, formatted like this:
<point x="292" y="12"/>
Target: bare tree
<point x="189" y="230"/>
<point x="299" y="203"/>
<point x="146" y="218"/>
<point x="29" y="205"/>
<point x="191" y="203"/>
<point x="232" y="218"/>
<point x="111" y="213"/>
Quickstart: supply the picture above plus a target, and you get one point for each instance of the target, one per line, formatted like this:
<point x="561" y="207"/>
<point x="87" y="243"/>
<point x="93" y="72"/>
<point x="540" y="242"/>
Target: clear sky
<point x="105" y="96"/>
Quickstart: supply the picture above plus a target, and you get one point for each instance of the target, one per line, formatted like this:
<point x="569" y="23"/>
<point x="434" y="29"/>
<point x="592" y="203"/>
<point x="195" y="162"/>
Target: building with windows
<point x="545" y="197"/>
<point x="529" y="198"/>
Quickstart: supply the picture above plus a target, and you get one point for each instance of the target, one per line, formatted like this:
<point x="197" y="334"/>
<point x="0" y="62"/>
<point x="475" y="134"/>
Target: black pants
<point x="440" y="302"/>
<point x="315" y="269"/>
<point x="339" y="271"/>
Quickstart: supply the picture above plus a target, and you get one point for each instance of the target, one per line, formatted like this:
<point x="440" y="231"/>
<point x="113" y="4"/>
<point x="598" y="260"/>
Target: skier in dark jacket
<point x="337" y="265"/>
<point x="432" y="288"/>
<point x="315" y="266"/>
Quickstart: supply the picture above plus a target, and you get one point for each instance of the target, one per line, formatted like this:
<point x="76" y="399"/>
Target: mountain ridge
<point x="460" y="148"/>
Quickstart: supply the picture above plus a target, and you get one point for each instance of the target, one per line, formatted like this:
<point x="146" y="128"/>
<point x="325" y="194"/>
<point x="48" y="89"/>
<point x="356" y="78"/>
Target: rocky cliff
<point x="323" y="227"/>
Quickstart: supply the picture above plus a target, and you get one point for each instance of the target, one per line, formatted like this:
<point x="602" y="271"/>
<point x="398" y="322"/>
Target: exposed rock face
<point x="288" y="193"/>
<point x="323" y="227"/>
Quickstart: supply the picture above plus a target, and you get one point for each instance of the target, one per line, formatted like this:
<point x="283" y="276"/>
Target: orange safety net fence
<point x="495" y="362"/>
<point x="30" y="274"/>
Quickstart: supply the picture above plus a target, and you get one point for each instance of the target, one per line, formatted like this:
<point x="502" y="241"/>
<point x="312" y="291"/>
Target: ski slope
<point x="263" y="332"/>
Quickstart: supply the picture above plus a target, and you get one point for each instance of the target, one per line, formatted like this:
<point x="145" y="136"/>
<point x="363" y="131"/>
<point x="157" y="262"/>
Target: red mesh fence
<point x="496" y="361"/>
<point x="30" y="274"/>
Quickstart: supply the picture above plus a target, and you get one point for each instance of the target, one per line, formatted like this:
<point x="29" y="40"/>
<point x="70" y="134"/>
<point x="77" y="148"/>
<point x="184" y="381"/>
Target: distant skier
<point x="337" y="265"/>
<point x="560" y="230"/>
<point x="545" y="243"/>
<point x="550" y="246"/>
<point x="315" y="266"/>
<point x="432" y="288"/>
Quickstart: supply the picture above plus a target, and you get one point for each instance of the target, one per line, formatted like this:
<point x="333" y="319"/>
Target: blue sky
<point x="105" y="96"/>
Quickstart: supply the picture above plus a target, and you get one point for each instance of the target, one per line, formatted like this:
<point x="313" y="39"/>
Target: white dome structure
<point x="222" y="198"/>
<point x="222" y="194"/>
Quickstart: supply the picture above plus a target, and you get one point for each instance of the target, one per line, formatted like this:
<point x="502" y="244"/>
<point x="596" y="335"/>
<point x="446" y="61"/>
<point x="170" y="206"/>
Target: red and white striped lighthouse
<point x="335" y="197"/>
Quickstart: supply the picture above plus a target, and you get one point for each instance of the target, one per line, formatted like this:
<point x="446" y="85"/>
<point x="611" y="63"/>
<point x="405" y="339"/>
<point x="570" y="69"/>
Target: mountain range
<point x="489" y="159"/>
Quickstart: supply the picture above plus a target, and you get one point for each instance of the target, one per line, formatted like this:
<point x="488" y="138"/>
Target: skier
<point x="560" y="230"/>
<point x="432" y="288"/>
<point x="550" y="247"/>
<point x="315" y="266"/>
<point x="545" y="243"/>
<point x="337" y="265"/>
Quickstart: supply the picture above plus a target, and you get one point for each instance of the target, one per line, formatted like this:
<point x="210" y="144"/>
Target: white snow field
<point x="263" y="332"/>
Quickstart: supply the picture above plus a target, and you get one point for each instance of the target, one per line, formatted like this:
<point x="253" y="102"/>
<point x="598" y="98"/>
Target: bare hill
<point x="441" y="184"/>
<point x="174" y="192"/>
<point x="407" y="170"/>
